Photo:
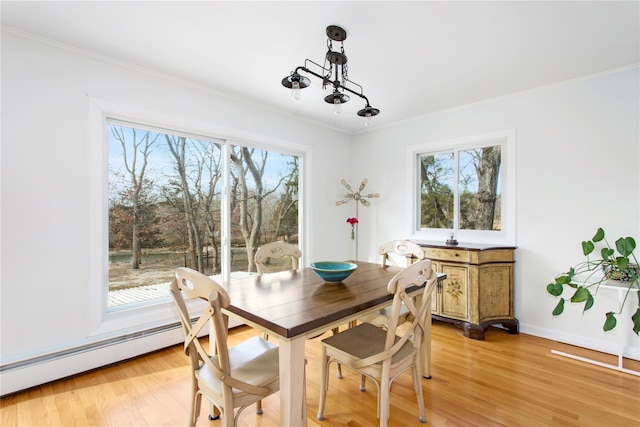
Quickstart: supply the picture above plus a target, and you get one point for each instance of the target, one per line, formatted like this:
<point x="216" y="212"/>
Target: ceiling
<point x="412" y="58"/>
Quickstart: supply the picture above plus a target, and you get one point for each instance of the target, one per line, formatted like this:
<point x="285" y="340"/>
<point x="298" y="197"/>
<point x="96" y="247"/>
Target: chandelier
<point x="332" y="73"/>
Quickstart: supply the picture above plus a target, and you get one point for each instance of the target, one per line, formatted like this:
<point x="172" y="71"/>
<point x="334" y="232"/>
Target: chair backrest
<point x="400" y="247"/>
<point x="276" y="250"/>
<point x="195" y="285"/>
<point x="422" y="274"/>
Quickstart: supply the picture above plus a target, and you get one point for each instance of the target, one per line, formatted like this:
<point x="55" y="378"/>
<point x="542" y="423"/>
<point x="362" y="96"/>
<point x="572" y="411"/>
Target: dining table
<point x="297" y="305"/>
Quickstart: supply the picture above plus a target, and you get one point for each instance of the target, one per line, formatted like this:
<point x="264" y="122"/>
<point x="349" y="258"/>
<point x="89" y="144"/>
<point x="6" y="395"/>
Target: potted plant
<point x="619" y="265"/>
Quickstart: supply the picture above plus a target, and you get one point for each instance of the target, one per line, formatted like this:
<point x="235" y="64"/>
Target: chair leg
<point x="417" y="385"/>
<point x="324" y="383"/>
<point x="338" y="366"/>
<point x="363" y="380"/>
<point x="304" y="394"/>
<point x="265" y="336"/>
<point x="195" y="408"/>
<point x="383" y="396"/>
<point x="259" y="407"/>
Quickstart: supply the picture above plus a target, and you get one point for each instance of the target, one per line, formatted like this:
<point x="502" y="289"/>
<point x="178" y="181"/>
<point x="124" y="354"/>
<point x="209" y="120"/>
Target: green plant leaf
<point x="636" y="321"/>
<point x="622" y="262"/>
<point x="599" y="235"/>
<point x="606" y="253"/>
<point x="587" y="247"/>
<point x="589" y="303"/>
<point x="610" y="323"/>
<point x="625" y="246"/>
<point x="563" y="280"/>
<point x="559" y="308"/>
<point x="582" y="294"/>
<point x="555" y="289"/>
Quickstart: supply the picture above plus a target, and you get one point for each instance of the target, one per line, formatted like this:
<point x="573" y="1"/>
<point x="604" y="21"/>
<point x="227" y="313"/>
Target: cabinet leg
<point x="512" y="326"/>
<point x="474" y="331"/>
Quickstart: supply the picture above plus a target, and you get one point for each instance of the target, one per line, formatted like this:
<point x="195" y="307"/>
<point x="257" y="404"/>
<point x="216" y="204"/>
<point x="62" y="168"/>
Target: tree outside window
<point x="460" y="189"/>
<point x="165" y="204"/>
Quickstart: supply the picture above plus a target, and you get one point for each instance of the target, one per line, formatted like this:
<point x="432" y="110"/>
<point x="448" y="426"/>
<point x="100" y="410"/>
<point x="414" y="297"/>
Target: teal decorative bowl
<point x="333" y="271"/>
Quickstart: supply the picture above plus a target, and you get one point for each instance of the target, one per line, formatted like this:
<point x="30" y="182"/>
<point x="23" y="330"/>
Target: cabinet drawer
<point x="456" y="255"/>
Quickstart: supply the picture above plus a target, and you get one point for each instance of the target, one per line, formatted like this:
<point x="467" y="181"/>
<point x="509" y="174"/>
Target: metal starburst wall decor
<point x="358" y="197"/>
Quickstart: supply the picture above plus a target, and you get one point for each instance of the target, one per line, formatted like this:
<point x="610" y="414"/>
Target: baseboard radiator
<point x="42" y="369"/>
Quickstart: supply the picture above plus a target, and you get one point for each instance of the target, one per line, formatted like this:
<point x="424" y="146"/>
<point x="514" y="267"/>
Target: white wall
<point x="46" y="187"/>
<point x="47" y="179"/>
<point x="577" y="170"/>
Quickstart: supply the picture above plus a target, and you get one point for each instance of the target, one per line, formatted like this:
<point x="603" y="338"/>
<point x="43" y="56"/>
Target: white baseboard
<point x="20" y="376"/>
<point x="631" y="351"/>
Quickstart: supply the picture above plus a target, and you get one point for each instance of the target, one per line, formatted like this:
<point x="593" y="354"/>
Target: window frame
<point x="507" y="235"/>
<point x="102" y="320"/>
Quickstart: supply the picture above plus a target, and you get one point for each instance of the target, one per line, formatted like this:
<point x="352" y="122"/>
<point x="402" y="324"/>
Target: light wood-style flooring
<point x="506" y="380"/>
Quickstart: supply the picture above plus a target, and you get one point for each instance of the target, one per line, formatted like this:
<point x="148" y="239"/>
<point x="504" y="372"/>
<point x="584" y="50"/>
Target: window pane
<point x="264" y="204"/>
<point x="166" y="202"/>
<point x="164" y="210"/>
<point x="479" y="188"/>
<point x="436" y="190"/>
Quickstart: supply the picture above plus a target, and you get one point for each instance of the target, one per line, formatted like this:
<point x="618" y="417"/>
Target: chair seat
<point x="363" y="341"/>
<point x="254" y="361"/>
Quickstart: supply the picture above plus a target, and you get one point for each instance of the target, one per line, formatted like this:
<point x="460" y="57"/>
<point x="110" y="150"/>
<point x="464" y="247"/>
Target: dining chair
<point x="403" y="248"/>
<point x="229" y="378"/>
<point x="381" y="354"/>
<point x="280" y="250"/>
<point x="276" y="250"/>
<point x="400" y="248"/>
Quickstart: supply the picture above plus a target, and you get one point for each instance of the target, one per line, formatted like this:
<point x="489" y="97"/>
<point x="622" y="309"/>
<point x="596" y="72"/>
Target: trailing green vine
<point x="620" y="264"/>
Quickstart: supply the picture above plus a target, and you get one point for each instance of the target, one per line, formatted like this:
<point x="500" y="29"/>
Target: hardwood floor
<point x="506" y="380"/>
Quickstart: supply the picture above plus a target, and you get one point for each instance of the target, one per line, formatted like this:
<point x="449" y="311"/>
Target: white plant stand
<point x="622" y="333"/>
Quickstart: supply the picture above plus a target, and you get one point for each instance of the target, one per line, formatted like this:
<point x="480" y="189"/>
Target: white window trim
<point x="506" y="236"/>
<point x="103" y="323"/>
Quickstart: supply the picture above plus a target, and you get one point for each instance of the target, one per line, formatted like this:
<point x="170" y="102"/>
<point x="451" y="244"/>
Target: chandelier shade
<point x="302" y="81"/>
<point x="332" y="73"/>
<point x="336" y="98"/>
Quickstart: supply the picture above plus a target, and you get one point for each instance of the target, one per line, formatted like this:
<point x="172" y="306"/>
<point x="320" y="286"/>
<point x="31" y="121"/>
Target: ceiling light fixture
<point x="334" y="73"/>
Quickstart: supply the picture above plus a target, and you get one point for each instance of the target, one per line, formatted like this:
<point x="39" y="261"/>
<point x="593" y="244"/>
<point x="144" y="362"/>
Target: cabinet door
<point x="455" y="291"/>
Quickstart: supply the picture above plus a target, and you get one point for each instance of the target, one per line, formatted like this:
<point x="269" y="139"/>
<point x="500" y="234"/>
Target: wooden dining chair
<point x="381" y="354"/>
<point x="403" y="248"/>
<point x="231" y="377"/>
<point x="276" y="250"/>
<point x="390" y="251"/>
<point x="387" y="250"/>
<point x="280" y="250"/>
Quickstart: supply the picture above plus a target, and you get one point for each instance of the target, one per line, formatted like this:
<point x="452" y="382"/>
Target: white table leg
<point x="292" y="382"/>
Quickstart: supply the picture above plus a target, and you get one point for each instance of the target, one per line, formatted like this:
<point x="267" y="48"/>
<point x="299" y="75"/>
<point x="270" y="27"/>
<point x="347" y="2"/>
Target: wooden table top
<point x="293" y="303"/>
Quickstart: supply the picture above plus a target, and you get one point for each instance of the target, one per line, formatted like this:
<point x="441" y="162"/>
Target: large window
<point x="168" y="207"/>
<point x="461" y="188"/>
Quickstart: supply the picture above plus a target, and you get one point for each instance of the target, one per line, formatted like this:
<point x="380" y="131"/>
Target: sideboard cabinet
<point x="478" y="290"/>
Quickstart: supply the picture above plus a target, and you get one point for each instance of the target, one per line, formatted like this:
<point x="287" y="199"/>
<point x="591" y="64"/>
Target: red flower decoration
<point x="353" y="222"/>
